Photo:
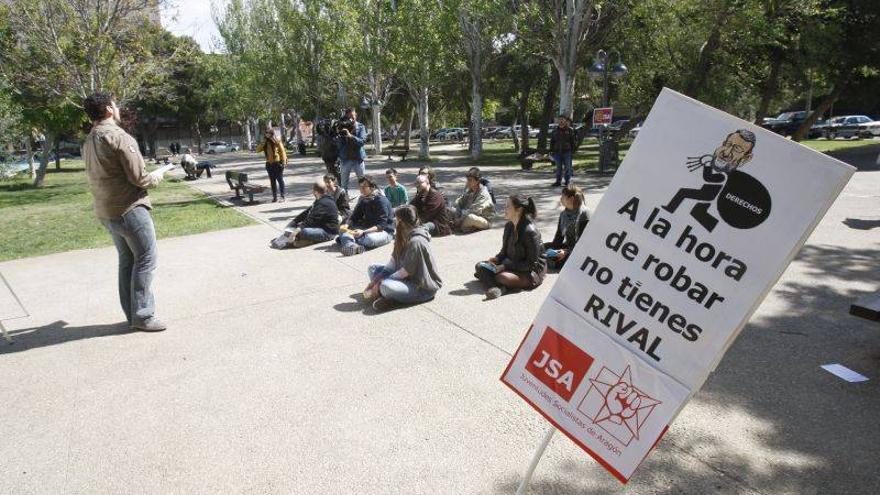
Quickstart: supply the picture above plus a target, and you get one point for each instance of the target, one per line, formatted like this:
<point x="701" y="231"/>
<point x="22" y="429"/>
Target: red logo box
<point x="559" y="364"/>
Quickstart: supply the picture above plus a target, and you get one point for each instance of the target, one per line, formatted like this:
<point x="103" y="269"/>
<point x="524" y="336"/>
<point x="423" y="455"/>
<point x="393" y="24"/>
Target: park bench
<point x="163" y="155"/>
<point x="400" y="151"/>
<point x="530" y="156"/>
<point x="867" y="307"/>
<point x="238" y="182"/>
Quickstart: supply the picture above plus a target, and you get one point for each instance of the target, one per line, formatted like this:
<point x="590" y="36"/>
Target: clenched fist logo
<point x="618" y="406"/>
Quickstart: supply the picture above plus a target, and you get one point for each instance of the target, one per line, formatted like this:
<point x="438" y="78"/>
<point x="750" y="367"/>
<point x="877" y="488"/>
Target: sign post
<point x="696" y="228"/>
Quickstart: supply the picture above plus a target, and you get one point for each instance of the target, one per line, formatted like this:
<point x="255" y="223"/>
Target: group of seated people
<point x="411" y="275"/>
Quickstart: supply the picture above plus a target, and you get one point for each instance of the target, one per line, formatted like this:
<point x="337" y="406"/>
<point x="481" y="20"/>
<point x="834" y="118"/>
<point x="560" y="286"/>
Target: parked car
<point x="634" y="132"/>
<point x="222" y="147"/>
<point x="847" y="126"/>
<point x="786" y="123"/>
<point x="15" y="167"/>
<point x="452" y="133"/>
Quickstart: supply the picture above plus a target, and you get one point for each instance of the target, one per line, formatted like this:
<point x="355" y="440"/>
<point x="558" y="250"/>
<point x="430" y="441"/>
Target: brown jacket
<point x="115" y="170"/>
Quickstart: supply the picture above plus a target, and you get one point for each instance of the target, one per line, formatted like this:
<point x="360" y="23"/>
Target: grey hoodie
<point x="419" y="262"/>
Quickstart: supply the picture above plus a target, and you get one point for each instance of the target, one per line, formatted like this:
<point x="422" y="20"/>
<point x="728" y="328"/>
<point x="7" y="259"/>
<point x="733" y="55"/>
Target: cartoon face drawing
<point x="734" y="152"/>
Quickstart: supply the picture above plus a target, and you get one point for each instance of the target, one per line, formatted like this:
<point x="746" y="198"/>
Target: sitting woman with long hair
<point x="521" y="263"/>
<point x="410" y="276"/>
<point x="572" y="221"/>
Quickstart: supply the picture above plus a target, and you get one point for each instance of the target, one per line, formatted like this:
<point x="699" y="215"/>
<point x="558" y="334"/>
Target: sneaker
<point x="283" y="199"/>
<point x="556" y="184"/>
<point x="151" y="324"/>
<point x="383" y="304"/>
<point x="352" y="249"/>
<point x="274" y="200"/>
<point x="494" y="293"/>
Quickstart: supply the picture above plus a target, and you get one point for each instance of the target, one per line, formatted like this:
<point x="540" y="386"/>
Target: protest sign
<point x="702" y="218"/>
<point x="602" y="116"/>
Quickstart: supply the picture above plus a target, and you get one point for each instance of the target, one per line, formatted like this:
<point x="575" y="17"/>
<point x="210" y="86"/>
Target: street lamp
<point x="603" y="69"/>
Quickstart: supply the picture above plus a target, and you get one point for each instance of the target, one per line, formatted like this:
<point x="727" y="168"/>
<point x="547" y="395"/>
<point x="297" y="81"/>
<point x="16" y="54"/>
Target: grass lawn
<point x="59" y="216"/>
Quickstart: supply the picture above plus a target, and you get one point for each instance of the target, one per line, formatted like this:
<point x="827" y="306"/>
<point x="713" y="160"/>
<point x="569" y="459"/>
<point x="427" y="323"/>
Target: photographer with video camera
<point x="326" y="130"/>
<point x="350" y="140"/>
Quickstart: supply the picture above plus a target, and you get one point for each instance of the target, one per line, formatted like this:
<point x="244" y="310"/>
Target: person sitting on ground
<point x="473" y="210"/>
<point x="410" y="276"/>
<point x="395" y="193"/>
<point x="317" y="223"/>
<point x="188" y="162"/>
<point x="371" y="223"/>
<point x="204" y="166"/>
<point x="339" y="196"/>
<point x="521" y="263"/>
<point x="572" y="221"/>
<point x="431" y="208"/>
<point x="432" y="177"/>
<point x="484" y="182"/>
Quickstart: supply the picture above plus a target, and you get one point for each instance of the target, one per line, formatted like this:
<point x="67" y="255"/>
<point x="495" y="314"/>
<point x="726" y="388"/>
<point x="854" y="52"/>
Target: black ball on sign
<point x="744" y="203"/>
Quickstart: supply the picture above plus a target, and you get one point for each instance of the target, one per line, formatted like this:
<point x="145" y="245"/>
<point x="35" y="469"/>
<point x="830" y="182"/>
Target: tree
<point x="559" y="30"/>
<point x="423" y="36"/>
<point x="59" y="51"/>
<point x="482" y="34"/>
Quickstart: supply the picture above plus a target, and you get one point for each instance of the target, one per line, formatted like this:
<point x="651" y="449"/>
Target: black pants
<point x="276" y="178"/>
<point x="700" y="211"/>
<point x="333" y="169"/>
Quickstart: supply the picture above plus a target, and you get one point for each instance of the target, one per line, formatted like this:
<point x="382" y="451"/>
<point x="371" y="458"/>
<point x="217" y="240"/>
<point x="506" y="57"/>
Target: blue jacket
<point x="358" y="139"/>
<point x="373" y="211"/>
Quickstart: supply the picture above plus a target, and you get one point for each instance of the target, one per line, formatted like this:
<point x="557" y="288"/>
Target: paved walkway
<point x="273" y="378"/>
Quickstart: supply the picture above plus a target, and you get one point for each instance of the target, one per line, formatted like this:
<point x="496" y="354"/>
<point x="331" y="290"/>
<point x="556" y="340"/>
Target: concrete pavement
<point x="274" y="378"/>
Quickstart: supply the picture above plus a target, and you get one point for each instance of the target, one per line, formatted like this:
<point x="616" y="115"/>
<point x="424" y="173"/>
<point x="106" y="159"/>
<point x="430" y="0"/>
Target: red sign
<point x="602" y="116"/>
<point x="559" y="364"/>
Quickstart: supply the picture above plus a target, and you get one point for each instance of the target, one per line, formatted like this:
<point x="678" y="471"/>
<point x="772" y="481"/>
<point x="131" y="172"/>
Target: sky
<point x="192" y="18"/>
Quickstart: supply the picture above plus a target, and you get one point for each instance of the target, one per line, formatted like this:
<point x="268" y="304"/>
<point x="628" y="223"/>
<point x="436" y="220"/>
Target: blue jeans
<point x="368" y="241"/>
<point x="311" y="235"/>
<point x="135" y="238"/>
<point x="563" y="159"/>
<point x="345" y="170"/>
<point x="402" y="291"/>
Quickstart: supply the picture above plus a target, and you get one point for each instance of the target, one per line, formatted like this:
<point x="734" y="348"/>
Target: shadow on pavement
<point x="808" y="431"/>
<point x="58" y="333"/>
<point x="861" y="224"/>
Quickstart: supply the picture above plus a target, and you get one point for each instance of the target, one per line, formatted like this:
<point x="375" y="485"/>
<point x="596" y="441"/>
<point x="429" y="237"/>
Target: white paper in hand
<point x="161" y="170"/>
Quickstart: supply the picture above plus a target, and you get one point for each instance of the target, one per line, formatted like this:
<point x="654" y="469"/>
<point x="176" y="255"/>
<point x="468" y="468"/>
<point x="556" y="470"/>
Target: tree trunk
<point x="197" y="132"/>
<point x="409" y="122"/>
<point x="376" y="111"/>
<point x="424" y="144"/>
<point x="523" y="111"/>
<point x="513" y="133"/>
<point x="475" y="143"/>
<point x="283" y="128"/>
<point x="707" y="54"/>
<point x="45" y="149"/>
<point x="547" y="115"/>
<point x="56" y="145"/>
<point x="566" y="92"/>
<point x="770" y="85"/>
<point x="820" y="110"/>
<point x="247" y="133"/>
<point x="32" y="169"/>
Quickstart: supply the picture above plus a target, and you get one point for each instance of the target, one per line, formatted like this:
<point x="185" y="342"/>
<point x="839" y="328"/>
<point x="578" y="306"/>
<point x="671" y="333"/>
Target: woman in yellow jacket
<point x="276" y="158"/>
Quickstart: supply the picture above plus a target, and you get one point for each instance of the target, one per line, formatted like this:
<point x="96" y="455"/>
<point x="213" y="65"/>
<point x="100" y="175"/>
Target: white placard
<point x="702" y="218"/>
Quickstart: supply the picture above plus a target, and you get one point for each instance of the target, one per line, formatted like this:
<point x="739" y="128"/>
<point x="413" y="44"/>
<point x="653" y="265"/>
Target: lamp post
<point x="602" y="69"/>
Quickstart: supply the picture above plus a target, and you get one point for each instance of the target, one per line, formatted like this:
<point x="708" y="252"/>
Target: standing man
<point x="351" y="146"/>
<point x="118" y="181"/>
<point x="563" y="141"/>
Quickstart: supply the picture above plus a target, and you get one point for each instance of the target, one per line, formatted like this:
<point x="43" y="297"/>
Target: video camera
<point x="331" y="127"/>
